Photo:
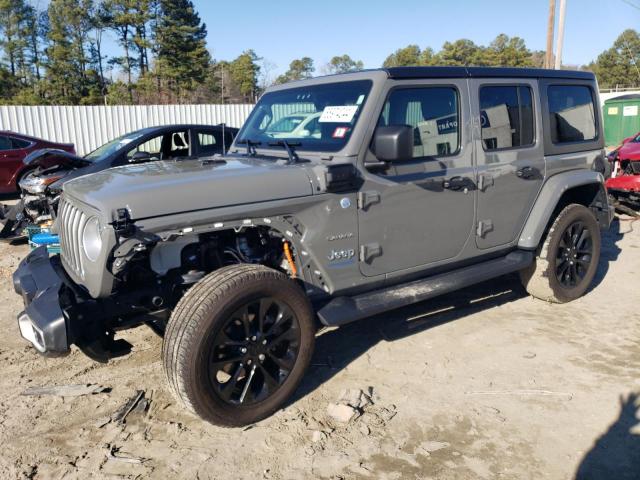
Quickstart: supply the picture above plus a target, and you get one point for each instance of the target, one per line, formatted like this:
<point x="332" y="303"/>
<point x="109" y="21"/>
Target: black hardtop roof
<point x="484" y="72"/>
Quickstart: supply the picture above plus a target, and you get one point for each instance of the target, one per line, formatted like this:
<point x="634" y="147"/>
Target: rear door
<point x="209" y="142"/>
<point x="12" y="151"/>
<point x="510" y="156"/>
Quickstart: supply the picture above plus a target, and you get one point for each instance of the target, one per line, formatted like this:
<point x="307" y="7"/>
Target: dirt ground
<point x="486" y="383"/>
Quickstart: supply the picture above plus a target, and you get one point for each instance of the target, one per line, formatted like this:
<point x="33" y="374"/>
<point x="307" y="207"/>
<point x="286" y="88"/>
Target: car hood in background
<point x="47" y="158"/>
<point x="629" y="151"/>
<point x="169" y="187"/>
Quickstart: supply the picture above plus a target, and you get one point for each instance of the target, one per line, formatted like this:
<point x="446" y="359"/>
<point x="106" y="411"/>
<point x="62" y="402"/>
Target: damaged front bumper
<point x="59" y="313"/>
<point x="43" y="323"/>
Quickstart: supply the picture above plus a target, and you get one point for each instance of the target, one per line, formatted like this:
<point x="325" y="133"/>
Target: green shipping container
<point x="621" y="118"/>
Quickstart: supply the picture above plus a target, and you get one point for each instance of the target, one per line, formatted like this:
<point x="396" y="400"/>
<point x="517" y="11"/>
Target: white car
<point x="296" y="125"/>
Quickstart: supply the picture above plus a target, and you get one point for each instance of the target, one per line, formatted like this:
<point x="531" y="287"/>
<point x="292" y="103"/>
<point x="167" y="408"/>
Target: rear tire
<point x="238" y="344"/>
<point x="568" y="258"/>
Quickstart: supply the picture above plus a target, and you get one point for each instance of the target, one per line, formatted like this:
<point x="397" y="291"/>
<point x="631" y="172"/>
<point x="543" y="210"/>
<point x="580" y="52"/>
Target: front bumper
<point x="42" y="323"/>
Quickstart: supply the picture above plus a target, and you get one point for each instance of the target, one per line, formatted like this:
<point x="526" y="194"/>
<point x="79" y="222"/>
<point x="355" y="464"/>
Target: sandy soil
<point x="487" y="383"/>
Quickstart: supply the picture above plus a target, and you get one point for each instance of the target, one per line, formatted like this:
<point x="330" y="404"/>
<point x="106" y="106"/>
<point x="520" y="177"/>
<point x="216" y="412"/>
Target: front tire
<point x="568" y="259"/>
<point x="238" y="344"/>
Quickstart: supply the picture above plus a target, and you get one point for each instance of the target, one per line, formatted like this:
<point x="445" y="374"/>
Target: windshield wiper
<point x="288" y="146"/>
<point x="251" y="146"/>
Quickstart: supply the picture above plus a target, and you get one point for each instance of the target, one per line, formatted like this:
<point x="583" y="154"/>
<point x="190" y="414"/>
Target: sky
<point x="369" y="30"/>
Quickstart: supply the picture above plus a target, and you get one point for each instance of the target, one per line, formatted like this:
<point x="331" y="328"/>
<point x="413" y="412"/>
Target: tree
<point x="404" y="57"/>
<point x="67" y="58"/>
<point x="12" y="41"/>
<point x="461" y="52"/>
<point x="182" y="57"/>
<point x="620" y="64"/>
<point x="299" y="69"/>
<point x="344" y="64"/>
<point x="507" y="51"/>
<point x="243" y="76"/>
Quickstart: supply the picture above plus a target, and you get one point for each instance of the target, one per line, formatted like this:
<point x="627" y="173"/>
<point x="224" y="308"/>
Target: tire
<point x="203" y="342"/>
<point x="549" y="277"/>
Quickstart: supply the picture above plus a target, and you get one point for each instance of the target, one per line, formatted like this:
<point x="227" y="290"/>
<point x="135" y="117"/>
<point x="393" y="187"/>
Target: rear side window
<point x="210" y="142"/>
<point x="433" y="114"/>
<point x="506" y="116"/>
<point x="17" y="143"/>
<point x="5" y="143"/>
<point x="572" y="114"/>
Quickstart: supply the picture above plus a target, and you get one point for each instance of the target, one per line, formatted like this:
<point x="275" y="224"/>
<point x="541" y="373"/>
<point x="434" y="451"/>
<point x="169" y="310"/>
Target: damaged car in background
<point x="50" y="168"/>
<point x="624" y="184"/>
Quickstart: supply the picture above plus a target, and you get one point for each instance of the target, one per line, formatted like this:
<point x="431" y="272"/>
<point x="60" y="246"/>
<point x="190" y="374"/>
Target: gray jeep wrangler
<point x="342" y="197"/>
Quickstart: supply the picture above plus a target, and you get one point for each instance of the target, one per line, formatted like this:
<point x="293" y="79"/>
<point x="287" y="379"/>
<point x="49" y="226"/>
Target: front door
<point x="510" y="157"/>
<point x="421" y="211"/>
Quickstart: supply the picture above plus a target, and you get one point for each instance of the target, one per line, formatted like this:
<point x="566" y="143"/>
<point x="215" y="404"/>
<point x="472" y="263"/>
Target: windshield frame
<point x="267" y="143"/>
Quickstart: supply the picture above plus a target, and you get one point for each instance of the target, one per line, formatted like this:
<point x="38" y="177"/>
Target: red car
<point x="624" y="183"/>
<point x="14" y="147"/>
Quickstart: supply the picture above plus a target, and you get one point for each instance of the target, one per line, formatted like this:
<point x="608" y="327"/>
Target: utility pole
<point x="548" y="58"/>
<point x="560" y="40"/>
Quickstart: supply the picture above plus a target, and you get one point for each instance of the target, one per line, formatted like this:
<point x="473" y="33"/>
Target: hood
<point x="47" y="158"/>
<point x="170" y="187"/>
<point x="629" y="151"/>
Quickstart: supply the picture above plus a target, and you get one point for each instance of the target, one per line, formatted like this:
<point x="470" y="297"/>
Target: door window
<point x="179" y="144"/>
<point x="433" y="114"/>
<point x="506" y="117"/>
<point x="5" y="143"/>
<point x="152" y="146"/>
<point x="572" y="113"/>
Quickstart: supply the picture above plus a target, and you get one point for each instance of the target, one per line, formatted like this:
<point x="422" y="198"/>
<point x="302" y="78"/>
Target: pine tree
<point x="67" y="59"/>
<point x="183" y="60"/>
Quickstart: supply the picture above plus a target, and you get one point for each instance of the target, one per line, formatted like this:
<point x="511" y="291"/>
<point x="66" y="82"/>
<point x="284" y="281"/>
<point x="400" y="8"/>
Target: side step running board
<point x="343" y="310"/>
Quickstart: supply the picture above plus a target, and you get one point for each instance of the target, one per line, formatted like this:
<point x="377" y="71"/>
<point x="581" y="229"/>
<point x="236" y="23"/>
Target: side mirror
<point x="393" y="143"/>
<point x="140" y="157"/>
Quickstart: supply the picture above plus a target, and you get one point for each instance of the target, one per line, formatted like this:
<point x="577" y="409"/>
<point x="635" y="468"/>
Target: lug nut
<point x="249" y="362"/>
<point x="243" y="350"/>
<point x="261" y="357"/>
<point x="253" y="338"/>
<point x="264" y="342"/>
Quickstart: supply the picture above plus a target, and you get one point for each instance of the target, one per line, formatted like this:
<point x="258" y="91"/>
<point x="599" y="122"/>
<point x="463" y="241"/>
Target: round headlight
<point x="91" y="239"/>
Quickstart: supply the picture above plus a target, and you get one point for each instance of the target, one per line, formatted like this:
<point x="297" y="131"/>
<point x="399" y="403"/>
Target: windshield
<point x="317" y="117"/>
<point x="111" y="147"/>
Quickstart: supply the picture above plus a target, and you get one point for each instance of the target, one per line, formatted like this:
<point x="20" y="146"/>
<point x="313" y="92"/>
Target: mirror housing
<point x="140" y="157"/>
<point x="393" y="143"/>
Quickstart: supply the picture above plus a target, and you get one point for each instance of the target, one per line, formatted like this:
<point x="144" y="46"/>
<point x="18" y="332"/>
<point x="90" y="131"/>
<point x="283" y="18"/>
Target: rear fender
<point x="580" y="186"/>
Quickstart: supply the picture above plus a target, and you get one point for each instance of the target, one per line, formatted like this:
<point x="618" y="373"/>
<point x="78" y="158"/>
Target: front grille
<point x="71" y="221"/>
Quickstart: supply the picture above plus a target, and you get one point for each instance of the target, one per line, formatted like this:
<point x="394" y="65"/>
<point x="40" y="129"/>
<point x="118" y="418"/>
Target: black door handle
<point x="457" y="183"/>
<point x="527" y="173"/>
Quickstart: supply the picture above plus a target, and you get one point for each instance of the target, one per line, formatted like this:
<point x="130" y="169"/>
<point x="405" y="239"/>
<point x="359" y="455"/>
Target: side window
<point x="179" y="144"/>
<point x="432" y="112"/>
<point x="152" y="146"/>
<point x="18" y="143"/>
<point x="210" y="143"/>
<point x="5" y="143"/>
<point x="506" y="117"/>
<point x="572" y="113"/>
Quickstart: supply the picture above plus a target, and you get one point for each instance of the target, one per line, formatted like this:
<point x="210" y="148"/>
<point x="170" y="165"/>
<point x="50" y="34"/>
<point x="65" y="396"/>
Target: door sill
<point x="343" y="310"/>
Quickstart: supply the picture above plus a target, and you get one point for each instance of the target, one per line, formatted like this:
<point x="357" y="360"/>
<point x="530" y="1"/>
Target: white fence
<point x="88" y="127"/>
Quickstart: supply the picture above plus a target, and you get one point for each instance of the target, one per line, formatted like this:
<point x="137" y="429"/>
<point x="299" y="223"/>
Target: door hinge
<point x="365" y="199"/>
<point x="370" y="251"/>
<point x="484" y="181"/>
<point x="484" y="227"/>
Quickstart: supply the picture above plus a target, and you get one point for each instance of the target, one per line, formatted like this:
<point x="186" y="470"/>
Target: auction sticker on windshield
<point x="338" y="114"/>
